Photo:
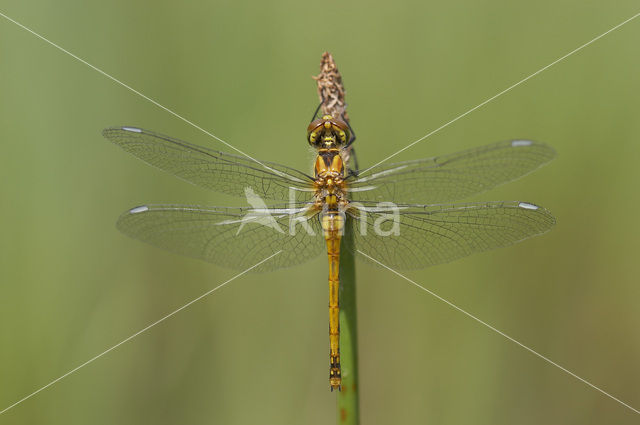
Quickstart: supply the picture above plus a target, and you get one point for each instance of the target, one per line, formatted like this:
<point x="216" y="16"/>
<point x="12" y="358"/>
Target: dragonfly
<point x="401" y="215"/>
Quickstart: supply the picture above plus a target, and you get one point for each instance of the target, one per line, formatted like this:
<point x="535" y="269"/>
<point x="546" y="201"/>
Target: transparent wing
<point x="426" y="235"/>
<point x="230" y="237"/>
<point x="211" y="169"/>
<point x="450" y="177"/>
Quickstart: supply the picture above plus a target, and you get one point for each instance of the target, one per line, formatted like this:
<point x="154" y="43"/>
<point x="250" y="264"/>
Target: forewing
<point x="450" y="177"/>
<point x="230" y="237"/>
<point x="436" y="234"/>
<point x="208" y="168"/>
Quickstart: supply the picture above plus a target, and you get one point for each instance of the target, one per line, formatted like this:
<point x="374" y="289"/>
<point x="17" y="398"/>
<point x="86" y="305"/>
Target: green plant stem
<point x="348" y="405"/>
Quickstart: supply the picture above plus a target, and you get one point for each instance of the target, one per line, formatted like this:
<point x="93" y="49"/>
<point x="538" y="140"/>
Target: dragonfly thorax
<point x="329" y="165"/>
<point x="329" y="179"/>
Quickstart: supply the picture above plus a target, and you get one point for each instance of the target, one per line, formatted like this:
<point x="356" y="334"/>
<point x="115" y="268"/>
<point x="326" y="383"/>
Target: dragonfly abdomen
<point x="332" y="225"/>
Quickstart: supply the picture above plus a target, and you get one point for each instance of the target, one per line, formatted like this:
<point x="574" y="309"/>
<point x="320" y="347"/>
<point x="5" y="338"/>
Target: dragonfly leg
<point x="353" y="159"/>
<point x="353" y="133"/>
<point x="315" y="114"/>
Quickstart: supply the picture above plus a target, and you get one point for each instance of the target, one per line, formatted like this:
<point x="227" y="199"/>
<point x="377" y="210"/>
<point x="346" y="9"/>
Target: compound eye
<point x="313" y="125"/>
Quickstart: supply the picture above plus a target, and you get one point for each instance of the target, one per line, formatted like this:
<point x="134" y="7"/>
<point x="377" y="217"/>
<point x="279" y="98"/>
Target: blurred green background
<point x="255" y="352"/>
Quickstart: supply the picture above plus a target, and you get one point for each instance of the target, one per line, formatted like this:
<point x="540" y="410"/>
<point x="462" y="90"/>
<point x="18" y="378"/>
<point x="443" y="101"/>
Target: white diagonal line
<point x="279" y="173"/>
<point x="175" y="114"/>
<point x="503" y="92"/>
<point x="137" y="333"/>
<point x="546" y="359"/>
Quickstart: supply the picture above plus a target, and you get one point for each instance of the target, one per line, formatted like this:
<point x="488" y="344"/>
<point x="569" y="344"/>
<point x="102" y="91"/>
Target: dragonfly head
<point x="328" y="132"/>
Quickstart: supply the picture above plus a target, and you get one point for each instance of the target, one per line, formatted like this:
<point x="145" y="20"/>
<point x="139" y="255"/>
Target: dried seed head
<point x="330" y="88"/>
